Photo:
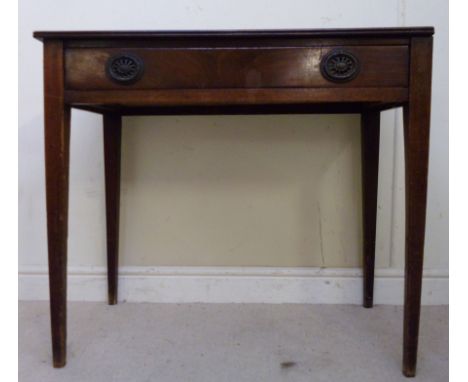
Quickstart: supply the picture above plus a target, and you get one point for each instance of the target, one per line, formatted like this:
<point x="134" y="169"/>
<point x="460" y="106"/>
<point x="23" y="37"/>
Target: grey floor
<point x="230" y="342"/>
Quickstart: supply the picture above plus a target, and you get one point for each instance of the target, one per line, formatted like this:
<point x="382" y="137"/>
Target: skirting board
<point x="235" y="285"/>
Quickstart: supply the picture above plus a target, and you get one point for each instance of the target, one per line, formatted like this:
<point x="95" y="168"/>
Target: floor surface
<point x="230" y="342"/>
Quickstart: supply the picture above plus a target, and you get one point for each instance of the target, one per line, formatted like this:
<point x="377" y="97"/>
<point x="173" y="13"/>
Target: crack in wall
<point x="320" y="234"/>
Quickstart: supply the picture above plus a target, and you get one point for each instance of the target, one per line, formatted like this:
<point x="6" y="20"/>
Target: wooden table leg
<point x="112" y="142"/>
<point x="416" y="128"/>
<point x="370" y="144"/>
<point x="57" y="148"/>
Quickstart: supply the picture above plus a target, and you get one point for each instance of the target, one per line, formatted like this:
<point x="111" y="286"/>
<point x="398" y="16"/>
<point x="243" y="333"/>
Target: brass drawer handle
<point x="124" y="68"/>
<point x="339" y="66"/>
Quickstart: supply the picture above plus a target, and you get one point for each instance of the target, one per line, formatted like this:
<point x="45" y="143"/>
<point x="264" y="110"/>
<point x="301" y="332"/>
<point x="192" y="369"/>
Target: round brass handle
<point x="339" y="66"/>
<point x="124" y="68"/>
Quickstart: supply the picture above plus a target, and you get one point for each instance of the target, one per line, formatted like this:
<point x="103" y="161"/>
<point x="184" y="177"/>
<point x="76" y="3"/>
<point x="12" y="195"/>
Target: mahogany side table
<point x="123" y="73"/>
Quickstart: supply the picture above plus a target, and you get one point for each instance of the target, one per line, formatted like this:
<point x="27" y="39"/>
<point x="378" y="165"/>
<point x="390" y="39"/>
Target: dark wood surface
<point x="193" y="34"/>
<point x="251" y="68"/>
<point x="244" y="97"/>
<point x="229" y="109"/>
<point x="57" y="158"/>
<point x="417" y="113"/>
<point x="370" y="144"/>
<point x="239" y="72"/>
<point x="112" y="124"/>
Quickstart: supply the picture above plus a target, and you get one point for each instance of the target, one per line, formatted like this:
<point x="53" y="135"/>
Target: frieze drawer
<point x="212" y="68"/>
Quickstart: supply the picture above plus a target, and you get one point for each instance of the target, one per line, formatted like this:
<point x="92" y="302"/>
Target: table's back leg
<point x="112" y="143"/>
<point x="370" y="143"/>
<point x="57" y="157"/>
<point x="416" y="128"/>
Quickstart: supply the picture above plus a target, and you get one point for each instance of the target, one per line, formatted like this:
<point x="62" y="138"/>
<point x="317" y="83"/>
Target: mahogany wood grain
<point x="233" y="42"/>
<point x="207" y="97"/>
<point x="112" y="142"/>
<point x="370" y="145"/>
<point x="299" y="108"/>
<point x="245" y="68"/>
<point x="57" y="157"/>
<point x="173" y="35"/>
<point x="417" y="114"/>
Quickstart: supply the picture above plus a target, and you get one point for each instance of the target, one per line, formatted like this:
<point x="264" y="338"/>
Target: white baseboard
<point x="235" y="285"/>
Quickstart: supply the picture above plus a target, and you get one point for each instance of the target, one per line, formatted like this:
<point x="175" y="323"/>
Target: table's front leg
<point x="57" y="149"/>
<point x="416" y="129"/>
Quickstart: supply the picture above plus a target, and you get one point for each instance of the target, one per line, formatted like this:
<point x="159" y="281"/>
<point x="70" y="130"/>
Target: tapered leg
<point x="416" y="129"/>
<point x="112" y="141"/>
<point x="57" y="148"/>
<point x="370" y="140"/>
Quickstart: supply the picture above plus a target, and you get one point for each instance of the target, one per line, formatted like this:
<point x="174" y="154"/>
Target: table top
<point x="293" y="33"/>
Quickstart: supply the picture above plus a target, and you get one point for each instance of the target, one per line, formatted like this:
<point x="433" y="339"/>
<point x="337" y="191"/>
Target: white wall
<point x="230" y="191"/>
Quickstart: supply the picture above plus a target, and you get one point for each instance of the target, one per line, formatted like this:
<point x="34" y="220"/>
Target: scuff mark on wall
<point x="402" y="12"/>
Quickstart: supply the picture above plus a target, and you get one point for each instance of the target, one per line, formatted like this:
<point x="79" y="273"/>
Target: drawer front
<point x="214" y="68"/>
